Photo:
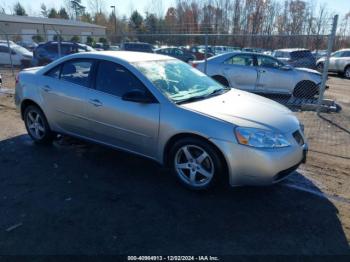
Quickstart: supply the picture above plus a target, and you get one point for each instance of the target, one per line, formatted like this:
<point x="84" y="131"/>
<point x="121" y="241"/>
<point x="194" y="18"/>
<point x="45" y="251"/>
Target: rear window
<point x="300" y="54"/>
<point x="138" y="47"/>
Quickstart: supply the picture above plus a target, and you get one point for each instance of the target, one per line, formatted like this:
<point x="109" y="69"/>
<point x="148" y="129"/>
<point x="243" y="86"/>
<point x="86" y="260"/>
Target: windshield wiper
<point x="190" y="99"/>
<point x="195" y="98"/>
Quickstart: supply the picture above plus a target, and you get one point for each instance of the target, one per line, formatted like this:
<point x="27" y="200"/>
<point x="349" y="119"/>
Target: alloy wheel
<point x="194" y="165"/>
<point x="35" y="125"/>
<point x="347" y="72"/>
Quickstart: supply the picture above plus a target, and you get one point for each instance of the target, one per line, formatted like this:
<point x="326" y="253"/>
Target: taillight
<point x="194" y="65"/>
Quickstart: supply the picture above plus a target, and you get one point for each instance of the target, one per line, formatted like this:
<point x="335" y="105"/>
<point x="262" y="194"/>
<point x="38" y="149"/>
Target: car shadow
<point x="78" y="198"/>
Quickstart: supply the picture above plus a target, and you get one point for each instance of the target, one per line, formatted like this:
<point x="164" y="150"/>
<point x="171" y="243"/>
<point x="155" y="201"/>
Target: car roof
<point x="292" y="49"/>
<point x="126" y="56"/>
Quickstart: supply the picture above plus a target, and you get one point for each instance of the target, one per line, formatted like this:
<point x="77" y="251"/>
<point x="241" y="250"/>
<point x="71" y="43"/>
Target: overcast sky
<point x="125" y="7"/>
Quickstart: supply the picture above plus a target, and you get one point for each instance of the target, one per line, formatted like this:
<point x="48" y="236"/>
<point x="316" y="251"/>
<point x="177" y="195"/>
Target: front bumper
<point x="254" y="166"/>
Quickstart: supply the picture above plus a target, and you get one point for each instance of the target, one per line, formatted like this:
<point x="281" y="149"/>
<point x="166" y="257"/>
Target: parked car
<point x="19" y="55"/>
<point x="296" y="57"/>
<point x="29" y="45"/>
<point x="178" y="53"/>
<point x="163" y="109"/>
<point x="114" y="48"/>
<point x="199" y="52"/>
<point x="101" y="46"/>
<point x="339" y="62"/>
<point x="260" y="73"/>
<point x="319" y="53"/>
<point x="137" y="47"/>
<point x="47" y="52"/>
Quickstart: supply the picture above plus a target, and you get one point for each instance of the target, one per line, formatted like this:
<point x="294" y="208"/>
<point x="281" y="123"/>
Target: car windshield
<point x="179" y="81"/>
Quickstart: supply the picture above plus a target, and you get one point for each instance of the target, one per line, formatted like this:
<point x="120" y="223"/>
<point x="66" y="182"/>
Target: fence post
<point x="206" y="53"/>
<point x="331" y="39"/>
<point x="10" y="54"/>
<point x="59" y="45"/>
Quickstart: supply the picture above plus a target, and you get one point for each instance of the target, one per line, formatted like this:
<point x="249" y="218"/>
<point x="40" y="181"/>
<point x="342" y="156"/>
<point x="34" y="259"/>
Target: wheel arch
<point x="220" y="78"/>
<point x="28" y="102"/>
<point x="177" y="137"/>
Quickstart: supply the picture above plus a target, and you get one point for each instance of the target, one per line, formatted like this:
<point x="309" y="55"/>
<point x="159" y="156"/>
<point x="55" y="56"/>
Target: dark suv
<point x="47" y="52"/>
<point x="296" y="57"/>
<point x="137" y="47"/>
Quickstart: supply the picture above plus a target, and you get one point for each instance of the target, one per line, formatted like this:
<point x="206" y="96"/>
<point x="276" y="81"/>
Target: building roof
<point x="46" y="21"/>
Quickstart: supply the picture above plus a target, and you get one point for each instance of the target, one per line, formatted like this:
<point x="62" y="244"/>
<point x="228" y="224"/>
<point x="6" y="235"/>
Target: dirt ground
<point x="78" y="198"/>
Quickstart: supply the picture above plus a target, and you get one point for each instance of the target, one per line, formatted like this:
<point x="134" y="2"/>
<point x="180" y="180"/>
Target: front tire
<point x="347" y="72"/>
<point x="320" y="67"/>
<point x="37" y="126"/>
<point x="306" y="89"/>
<point x="196" y="163"/>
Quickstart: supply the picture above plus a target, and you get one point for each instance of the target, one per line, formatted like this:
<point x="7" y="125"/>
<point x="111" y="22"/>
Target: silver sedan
<point x="260" y="73"/>
<point x="163" y="109"/>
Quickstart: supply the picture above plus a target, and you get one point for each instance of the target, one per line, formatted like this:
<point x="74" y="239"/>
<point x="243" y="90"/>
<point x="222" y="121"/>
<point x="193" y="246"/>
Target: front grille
<point x="298" y="137"/>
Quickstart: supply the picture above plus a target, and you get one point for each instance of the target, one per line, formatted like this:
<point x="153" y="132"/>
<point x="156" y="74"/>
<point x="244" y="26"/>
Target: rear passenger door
<point x="64" y="91"/>
<point x="241" y="72"/>
<point x="128" y="125"/>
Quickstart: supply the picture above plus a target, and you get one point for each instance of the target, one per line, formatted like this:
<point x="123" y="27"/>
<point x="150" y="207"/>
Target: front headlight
<point x="260" y="138"/>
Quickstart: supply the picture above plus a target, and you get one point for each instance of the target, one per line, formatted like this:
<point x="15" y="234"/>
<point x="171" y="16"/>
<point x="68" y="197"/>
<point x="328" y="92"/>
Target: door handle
<point x="262" y="71"/>
<point x="46" y="88"/>
<point x="95" y="102"/>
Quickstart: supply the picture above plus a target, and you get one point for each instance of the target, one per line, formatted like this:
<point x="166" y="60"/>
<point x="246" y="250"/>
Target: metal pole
<point x="10" y="54"/>
<point x="331" y="38"/>
<point x="206" y="53"/>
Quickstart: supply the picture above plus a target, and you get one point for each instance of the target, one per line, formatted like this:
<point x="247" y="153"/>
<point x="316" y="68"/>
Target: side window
<point x="244" y="60"/>
<point x="4" y="49"/>
<point x="346" y="54"/>
<point x="116" y="80"/>
<point x="178" y="52"/>
<point x="265" y="61"/>
<point x="54" y="72"/>
<point x="77" y="71"/>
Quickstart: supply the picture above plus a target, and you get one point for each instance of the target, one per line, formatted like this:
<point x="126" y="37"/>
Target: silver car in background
<point x="339" y="62"/>
<point x="163" y="109"/>
<point x="260" y="73"/>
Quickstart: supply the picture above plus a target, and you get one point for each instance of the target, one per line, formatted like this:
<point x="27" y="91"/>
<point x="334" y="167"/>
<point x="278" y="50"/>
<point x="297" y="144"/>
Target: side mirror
<point x="138" y="96"/>
<point x="286" y="67"/>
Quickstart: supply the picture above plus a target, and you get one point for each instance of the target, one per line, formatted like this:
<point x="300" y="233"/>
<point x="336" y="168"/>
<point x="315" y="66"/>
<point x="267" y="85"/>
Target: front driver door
<point x="241" y="72"/>
<point x="272" y="77"/>
<point x="129" y="125"/>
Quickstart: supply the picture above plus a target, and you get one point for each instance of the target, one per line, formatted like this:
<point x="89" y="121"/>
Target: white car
<point x="258" y="73"/>
<point x="19" y="55"/>
<point x="339" y="62"/>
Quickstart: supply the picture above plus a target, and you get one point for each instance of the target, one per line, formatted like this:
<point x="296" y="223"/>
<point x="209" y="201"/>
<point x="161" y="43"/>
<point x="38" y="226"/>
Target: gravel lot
<point x="78" y="198"/>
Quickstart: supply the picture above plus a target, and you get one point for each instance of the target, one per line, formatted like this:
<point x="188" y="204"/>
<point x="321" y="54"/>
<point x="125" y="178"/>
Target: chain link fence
<point x="290" y="69"/>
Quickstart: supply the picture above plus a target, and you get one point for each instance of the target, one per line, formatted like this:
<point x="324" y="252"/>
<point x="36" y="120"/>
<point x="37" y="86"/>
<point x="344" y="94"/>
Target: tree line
<point x="257" y="23"/>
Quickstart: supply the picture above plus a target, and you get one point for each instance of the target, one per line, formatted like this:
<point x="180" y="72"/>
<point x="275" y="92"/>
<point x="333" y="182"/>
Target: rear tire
<point x="222" y="80"/>
<point x="305" y="89"/>
<point x="196" y="163"/>
<point x="37" y="126"/>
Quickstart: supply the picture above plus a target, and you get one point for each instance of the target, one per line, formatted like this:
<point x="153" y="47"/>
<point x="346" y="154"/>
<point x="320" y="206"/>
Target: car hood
<point x="248" y="110"/>
<point x="307" y="70"/>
